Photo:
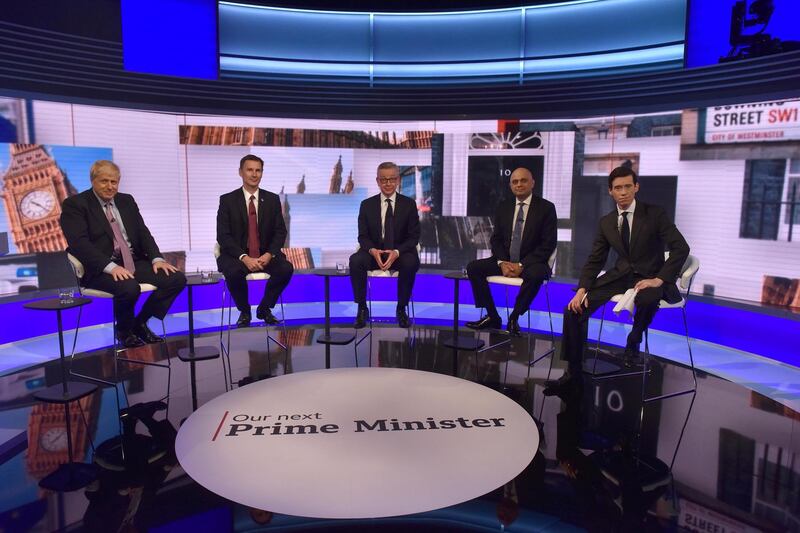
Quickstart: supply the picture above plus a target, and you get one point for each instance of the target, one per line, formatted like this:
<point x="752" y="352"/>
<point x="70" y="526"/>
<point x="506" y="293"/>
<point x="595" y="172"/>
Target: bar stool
<point x="79" y="270"/>
<point x="517" y="282"/>
<point x="688" y="272"/>
<point x="225" y="347"/>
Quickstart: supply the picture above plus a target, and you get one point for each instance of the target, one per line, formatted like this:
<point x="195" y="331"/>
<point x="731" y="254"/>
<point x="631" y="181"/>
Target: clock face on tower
<point x="37" y="204"/>
<point x="54" y="439"/>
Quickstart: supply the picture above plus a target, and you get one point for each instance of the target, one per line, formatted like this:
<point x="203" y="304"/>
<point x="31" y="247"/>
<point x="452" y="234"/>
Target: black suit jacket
<point x="652" y="234"/>
<point x="232" y="226"/>
<point x="539" y="234"/>
<point x="406" y="224"/>
<point x="89" y="235"/>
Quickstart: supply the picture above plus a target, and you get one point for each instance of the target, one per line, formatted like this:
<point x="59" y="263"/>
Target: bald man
<point x="523" y="239"/>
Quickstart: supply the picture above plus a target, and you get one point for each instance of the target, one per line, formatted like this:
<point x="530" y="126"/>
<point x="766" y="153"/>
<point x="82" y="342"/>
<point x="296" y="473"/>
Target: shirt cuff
<point x="109" y="267"/>
<point x="157" y="259"/>
<point x="396" y="250"/>
<point x="243" y="255"/>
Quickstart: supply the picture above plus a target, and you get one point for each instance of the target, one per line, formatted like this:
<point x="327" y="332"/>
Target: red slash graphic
<point x="220" y="426"/>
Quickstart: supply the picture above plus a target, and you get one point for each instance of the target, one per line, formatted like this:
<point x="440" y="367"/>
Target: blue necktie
<point x="516" y="237"/>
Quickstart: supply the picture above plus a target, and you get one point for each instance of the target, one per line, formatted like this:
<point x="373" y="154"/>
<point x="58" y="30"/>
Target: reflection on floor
<point x="597" y="468"/>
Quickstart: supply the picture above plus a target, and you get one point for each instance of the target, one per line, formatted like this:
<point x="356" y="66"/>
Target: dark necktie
<point x="516" y="236"/>
<point x="625" y="233"/>
<point x="252" y="229"/>
<point x="121" y="248"/>
<point x="388" y="226"/>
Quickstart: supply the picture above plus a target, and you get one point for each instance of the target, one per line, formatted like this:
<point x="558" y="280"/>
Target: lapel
<point x="98" y="212"/>
<point x="262" y="196"/>
<point x="526" y="229"/>
<point x="611" y="229"/>
<point x="241" y="206"/>
<point x="125" y="215"/>
<point x="376" y="209"/>
<point x="639" y="215"/>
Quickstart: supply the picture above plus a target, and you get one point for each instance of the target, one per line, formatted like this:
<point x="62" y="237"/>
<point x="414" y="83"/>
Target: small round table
<point x="328" y="338"/>
<point x="459" y="342"/>
<point x="71" y="475"/>
<point x="193" y="354"/>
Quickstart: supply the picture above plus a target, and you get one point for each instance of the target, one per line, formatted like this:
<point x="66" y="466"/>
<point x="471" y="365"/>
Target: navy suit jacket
<point x="652" y="234"/>
<point x="232" y="224"/>
<point x="406" y="224"/>
<point x="90" y="237"/>
<point x="539" y="234"/>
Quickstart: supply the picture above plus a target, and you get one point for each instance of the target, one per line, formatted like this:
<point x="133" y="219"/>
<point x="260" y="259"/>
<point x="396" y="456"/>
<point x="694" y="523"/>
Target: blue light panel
<point x="170" y="37"/>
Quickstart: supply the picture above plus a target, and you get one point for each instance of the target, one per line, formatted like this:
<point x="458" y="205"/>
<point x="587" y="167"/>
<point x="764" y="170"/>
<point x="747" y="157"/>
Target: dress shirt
<point x="525" y="214"/>
<point x="631" y="209"/>
<point x="247" y="196"/>
<point x="393" y="198"/>
<point x="112" y="265"/>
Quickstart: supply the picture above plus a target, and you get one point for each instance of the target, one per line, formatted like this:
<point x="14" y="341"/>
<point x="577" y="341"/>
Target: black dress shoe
<point x="129" y="340"/>
<point x="402" y="319"/>
<point x="569" y="385"/>
<point x="513" y="327"/>
<point x="142" y="411"/>
<point x="146" y="334"/>
<point x="267" y="316"/>
<point x="244" y="320"/>
<point x="361" y="318"/>
<point x="485" y="322"/>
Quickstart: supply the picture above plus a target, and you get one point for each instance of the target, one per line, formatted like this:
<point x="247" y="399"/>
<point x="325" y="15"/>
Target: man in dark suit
<point x="106" y="233"/>
<point x="639" y="233"/>
<point x="523" y="239"/>
<point x="388" y="233"/>
<point x="250" y="234"/>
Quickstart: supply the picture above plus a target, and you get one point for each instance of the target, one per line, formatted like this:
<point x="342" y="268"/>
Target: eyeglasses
<point x="386" y="181"/>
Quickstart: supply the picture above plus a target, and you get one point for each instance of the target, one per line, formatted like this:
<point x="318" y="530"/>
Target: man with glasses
<point x="388" y="233"/>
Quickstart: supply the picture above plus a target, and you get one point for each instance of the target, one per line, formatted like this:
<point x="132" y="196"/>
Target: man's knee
<point x="473" y="267"/>
<point x="359" y="261"/>
<point x="176" y="281"/>
<point x="128" y="289"/>
<point x="408" y="262"/>
<point x="647" y="297"/>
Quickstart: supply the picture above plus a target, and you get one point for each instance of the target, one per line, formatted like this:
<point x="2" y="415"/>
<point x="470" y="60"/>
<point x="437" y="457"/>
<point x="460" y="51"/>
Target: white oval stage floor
<point x="357" y="442"/>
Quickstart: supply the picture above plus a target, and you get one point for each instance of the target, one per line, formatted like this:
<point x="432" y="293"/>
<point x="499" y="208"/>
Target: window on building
<point x="762" y="198"/>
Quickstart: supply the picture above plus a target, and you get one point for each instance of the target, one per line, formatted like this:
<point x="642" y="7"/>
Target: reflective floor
<point x="603" y="462"/>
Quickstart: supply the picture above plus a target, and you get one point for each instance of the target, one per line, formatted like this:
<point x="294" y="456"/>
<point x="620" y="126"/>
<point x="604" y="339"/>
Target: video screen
<point x="728" y="175"/>
<point x="725" y="31"/>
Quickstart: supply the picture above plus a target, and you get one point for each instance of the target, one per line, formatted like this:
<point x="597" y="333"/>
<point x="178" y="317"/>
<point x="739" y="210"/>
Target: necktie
<point x="516" y="236"/>
<point x="121" y="248"/>
<point x="388" y="226"/>
<point x="252" y="229"/>
<point x="625" y="232"/>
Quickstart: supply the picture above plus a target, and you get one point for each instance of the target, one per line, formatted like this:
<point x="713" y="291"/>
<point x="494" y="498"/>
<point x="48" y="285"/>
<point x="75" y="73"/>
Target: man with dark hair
<point x="523" y="239"/>
<point x="639" y="233"/>
<point x="250" y="234"/>
<point x="106" y="233"/>
<point x="388" y="233"/>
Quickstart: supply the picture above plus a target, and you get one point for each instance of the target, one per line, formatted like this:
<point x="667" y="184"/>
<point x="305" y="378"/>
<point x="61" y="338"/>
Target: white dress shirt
<point x="631" y="209"/>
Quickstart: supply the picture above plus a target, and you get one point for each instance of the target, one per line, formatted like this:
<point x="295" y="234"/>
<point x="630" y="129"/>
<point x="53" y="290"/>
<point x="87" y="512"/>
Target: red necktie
<point x="121" y="248"/>
<point x="252" y="229"/>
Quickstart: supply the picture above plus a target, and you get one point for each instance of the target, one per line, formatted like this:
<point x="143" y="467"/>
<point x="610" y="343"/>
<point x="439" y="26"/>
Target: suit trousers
<point x="126" y="293"/>
<point x="532" y="278"/>
<point x="280" y="273"/>
<point x="576" y="326"/>
<point x="407" y="265"/>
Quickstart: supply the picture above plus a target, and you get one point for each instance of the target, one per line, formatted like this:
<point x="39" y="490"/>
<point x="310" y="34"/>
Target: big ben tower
<point x="33" y="189"/>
